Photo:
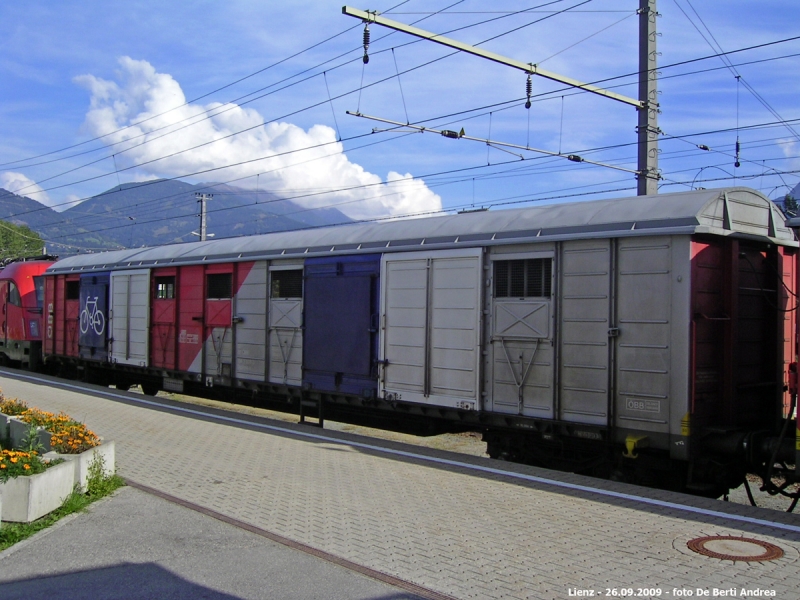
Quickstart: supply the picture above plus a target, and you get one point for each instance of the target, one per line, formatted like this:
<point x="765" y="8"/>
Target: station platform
<point x="459" y="526"/>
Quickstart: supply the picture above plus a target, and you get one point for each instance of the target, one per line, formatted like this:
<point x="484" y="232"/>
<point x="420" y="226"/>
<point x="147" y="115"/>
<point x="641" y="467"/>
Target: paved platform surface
<point x="137" y="546"/>
<point x="449" y="529"/>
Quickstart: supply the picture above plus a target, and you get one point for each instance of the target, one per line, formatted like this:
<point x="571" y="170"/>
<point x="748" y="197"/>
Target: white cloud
<point x="299" y="163"/>
<point x="24" y="186"/>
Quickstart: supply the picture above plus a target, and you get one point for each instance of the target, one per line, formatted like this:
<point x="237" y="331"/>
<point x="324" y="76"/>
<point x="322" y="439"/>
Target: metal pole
<point x="647" y="129"/>
<point x="202" y="199"/>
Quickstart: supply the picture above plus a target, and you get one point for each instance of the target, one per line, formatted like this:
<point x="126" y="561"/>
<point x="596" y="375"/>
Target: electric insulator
<point x="366" y="43"/>
<point x="737" y="164"/>
<point x="528" y="89"/>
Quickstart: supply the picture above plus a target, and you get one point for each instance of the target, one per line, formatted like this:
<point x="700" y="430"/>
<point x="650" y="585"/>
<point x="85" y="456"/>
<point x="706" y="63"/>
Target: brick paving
<point x="455" y="532"/>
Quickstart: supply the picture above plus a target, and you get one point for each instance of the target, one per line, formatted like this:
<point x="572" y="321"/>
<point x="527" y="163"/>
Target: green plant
<point x="43" y="418"/>
<point x="99" y="485"/>
<point x="14" y="463"/>
<point x="30" y="441"/>
<point x="11" y="406"/>
<point x="69" y="436"/>
<point x="72" y="438"/>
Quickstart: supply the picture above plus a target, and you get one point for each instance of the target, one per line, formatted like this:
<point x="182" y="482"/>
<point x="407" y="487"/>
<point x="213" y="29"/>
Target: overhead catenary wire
<point x="221" y="138"/>
<point x="715" y="45"/>
<point x="210" y="93"/>
<point x="240" y="98"/>
<point x="423" y="176"/>
<point x="598" y="81"/>
<point x="351" y="188"/>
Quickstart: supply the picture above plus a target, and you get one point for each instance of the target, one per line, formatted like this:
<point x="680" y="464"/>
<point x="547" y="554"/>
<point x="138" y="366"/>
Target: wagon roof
<point x="729" y="211"/>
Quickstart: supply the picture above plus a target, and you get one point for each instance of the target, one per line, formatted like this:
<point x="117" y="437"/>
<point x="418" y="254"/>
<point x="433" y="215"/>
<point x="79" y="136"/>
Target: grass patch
<point x="98" y="485"/>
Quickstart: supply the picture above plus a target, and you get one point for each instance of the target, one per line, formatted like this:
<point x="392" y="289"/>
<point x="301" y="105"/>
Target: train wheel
<point x="150" y="388"/>
<point x="124" y="387"/>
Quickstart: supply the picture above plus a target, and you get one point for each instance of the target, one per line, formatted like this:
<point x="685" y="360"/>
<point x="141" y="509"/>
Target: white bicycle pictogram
<point x="91" y="316"/>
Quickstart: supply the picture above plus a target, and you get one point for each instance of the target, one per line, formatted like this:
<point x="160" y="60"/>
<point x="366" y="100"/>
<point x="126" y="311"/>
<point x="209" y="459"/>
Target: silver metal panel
<point x="130" y="317"/>
<point x="680" y="344"/>
<point x="430" y="327"/>
<point x="219" y="352"/>
<point x="286" y="341"/>
<point x="522" y="381"/>
<point x="251" y="331"/>
<point x="455" y="319"/>
<point x="644" y="318"/>
<point x="584" y="330"/>
<point x="404" y="325"/>
<point x="522" y="319"/>
<point x="630" y="216"/>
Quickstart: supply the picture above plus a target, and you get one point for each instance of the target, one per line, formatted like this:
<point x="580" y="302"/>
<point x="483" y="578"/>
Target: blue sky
<point x="73" y="71"/>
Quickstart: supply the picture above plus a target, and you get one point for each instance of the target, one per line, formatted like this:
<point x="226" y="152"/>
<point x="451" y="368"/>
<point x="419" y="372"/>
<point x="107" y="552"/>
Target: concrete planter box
<point x="16" y="431"/>
<point x="25" y="499"/>
<point x="82" y="461"/>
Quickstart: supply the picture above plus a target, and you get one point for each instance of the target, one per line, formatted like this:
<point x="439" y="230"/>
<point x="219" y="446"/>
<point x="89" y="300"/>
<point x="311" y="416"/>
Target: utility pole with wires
<point x="647" y="129"/>
<point x="647" y="173"/>
<point x="202" y="198"/>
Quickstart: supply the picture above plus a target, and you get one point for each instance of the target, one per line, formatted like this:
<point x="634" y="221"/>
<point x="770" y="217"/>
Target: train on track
<point x="648" y="339"/>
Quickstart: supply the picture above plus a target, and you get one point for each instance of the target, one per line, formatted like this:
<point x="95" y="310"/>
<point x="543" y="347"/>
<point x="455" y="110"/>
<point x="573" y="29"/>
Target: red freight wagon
<point x="62" y="308"/>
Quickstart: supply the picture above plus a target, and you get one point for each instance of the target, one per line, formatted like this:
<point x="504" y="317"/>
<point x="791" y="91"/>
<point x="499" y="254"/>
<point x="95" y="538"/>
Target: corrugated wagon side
<point x="644" y="338"/>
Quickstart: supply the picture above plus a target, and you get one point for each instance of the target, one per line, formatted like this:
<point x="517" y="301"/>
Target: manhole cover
<point x="726" y="547"/>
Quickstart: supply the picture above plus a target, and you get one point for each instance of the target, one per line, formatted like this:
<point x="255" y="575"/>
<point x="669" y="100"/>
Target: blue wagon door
<point x="340" y="344"/>
<point x="93" y="318"/>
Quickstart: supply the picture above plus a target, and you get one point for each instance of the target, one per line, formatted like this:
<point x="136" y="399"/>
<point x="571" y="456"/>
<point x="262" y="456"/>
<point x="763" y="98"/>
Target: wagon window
<point x="38" y="284"/>
<point x="287" y="284"/>
<point x="528" y="278"/>
<point x="73" y="290"/>
<point x="219" y="285"/>
<point x="13" y="294"/>
<point x="165" y="288"/>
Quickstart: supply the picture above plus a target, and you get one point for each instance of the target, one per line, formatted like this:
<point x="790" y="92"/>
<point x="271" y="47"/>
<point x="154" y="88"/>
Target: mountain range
<point x="159" y="212"/>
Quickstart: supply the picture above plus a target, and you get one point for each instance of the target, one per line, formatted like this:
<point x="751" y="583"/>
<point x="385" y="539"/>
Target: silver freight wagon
<point x="640" y="334"/>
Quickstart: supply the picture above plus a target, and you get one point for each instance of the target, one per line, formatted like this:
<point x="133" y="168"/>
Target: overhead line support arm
<point x="373" y="17"/>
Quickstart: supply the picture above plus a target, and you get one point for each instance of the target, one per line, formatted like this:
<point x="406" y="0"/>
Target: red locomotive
<point x="21" y="300"/>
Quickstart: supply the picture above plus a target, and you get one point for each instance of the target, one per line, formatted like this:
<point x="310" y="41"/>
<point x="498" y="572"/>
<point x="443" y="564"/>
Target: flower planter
<point x="18" y="431"/>
<point x="82" y="461"/>
<point x="25" y="499"/>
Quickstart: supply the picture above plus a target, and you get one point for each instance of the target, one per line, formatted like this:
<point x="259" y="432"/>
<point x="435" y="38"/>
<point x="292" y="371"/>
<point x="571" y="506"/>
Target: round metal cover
<point x="727" y="547"/>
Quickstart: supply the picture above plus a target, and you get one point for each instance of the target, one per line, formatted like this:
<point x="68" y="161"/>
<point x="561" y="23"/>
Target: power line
<point x="207" y="94"/>
<point x="173" y="154"/>
<point x="717" y="47"/>
<point x="209" y="113"/>
<point x="374" y="143"/>
<point x="414" y="68"/>
<point x="662" y="67"/>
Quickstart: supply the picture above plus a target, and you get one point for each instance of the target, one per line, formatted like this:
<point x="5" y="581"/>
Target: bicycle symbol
<point x="91" y="316"/>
